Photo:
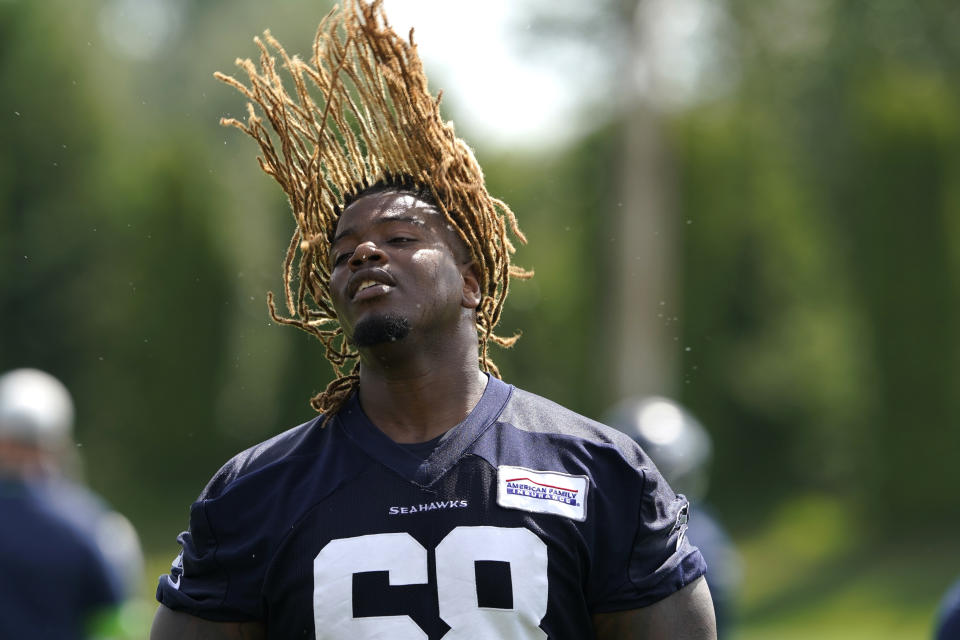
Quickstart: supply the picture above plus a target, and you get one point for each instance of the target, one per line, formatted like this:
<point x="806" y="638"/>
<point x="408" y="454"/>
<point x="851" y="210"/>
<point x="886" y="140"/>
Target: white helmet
<point x="35" y="408"/>
<point x="674" y="439"/>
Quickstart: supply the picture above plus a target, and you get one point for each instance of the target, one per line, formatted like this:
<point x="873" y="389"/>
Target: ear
<point x="471" y="296"/>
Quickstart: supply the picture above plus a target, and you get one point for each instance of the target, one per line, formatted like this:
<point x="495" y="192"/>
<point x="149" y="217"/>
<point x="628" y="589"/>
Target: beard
<point x="380" y="329"/>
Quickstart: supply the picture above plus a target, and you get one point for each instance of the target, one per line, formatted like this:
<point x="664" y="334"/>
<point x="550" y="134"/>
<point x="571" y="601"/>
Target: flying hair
<point x="360" y="114"/>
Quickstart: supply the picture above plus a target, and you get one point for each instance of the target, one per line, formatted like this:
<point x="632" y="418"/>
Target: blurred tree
<point x="825" y="189"/>
<point x="560" y="312"/>
<point x="109" y="264"/>
<point x="818" y="227"/>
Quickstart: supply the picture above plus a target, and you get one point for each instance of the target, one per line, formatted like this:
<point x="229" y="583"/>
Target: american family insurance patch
<point x="542" y="492"/>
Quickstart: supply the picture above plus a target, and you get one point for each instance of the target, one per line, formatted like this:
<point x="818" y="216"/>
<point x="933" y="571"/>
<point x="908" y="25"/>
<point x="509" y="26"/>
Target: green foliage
<point x="821" y="266"/>
<point x="564" y="204"/>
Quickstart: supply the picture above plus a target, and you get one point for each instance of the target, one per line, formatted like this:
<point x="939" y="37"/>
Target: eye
<point x="401" y="239"/>
<point x="340" y="258"/>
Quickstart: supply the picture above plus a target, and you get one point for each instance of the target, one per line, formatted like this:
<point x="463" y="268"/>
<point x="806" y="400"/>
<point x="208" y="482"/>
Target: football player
<point x="429" y="499"/>
<point x="681" y="448"/>
<point x="67" y="561"/>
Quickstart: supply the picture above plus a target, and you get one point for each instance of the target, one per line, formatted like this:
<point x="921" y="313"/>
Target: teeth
<point x="367" y="284"/>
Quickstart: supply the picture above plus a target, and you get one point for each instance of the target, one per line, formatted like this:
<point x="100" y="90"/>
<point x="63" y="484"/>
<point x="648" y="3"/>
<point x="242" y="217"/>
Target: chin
<point x="380" y="329"/>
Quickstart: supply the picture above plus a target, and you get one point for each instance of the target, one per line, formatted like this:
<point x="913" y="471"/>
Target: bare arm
<point x="174" y="625"/>
<point x="684" y="615"/>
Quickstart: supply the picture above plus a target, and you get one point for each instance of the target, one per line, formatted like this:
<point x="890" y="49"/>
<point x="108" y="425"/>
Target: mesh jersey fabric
<point x="335" y="531"/>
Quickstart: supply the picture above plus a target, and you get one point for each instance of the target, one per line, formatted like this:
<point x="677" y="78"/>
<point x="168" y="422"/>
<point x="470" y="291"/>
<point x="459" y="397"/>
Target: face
<point x="397" y="268"/>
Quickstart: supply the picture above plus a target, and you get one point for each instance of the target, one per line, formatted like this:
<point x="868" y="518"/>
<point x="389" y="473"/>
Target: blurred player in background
<point x="681" y="448"/>
<point x="67" y="561"/>
<point x="948" y="618"/>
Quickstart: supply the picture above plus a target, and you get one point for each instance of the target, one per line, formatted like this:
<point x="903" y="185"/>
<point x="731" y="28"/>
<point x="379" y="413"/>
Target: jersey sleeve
<point x="218" y="574"/>
<point x="642" y="553"/>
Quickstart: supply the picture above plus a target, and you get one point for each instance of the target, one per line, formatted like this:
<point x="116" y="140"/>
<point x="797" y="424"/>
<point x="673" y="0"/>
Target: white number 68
<point x="405" y="560"/>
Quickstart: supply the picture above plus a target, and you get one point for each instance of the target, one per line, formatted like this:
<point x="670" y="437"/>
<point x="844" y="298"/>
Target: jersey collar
<point x="358" y="427"/>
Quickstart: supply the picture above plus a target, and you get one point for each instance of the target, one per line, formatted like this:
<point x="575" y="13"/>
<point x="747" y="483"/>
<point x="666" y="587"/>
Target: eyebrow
<point x="384" y="219"/>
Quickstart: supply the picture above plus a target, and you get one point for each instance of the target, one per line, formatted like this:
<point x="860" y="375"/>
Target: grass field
<point x="807" y="576"/>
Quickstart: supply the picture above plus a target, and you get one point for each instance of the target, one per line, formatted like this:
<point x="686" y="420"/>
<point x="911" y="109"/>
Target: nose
<point x="366" y="252"/>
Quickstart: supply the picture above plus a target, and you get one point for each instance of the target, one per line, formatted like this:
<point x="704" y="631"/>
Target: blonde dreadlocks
<point x="360" y="115"/>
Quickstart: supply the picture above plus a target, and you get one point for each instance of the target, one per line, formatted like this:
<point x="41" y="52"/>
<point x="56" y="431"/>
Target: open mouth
<point x="366" y="284"/>
<point x="369" y="283"/>
<point x="366" y="287"/>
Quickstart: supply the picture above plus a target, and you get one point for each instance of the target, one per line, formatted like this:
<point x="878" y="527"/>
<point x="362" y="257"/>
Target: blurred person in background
<point x="681" y="448"/>
<point x="948" y="618"/>
<point x="67" y="561"/>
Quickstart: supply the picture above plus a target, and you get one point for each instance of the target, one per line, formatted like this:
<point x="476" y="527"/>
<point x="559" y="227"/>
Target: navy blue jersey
<point x="523" y="521"/>
<point x="52" y="577"/>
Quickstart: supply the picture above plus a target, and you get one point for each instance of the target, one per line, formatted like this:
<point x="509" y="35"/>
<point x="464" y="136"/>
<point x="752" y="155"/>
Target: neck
<point x="415" y="393"/>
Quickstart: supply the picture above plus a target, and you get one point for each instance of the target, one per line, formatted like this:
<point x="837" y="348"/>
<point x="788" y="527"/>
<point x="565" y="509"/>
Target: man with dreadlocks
<point x="429" y="499"/>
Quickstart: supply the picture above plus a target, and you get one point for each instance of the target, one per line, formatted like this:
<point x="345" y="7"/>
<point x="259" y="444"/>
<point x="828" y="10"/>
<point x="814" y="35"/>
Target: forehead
<point x="389" y="206"/>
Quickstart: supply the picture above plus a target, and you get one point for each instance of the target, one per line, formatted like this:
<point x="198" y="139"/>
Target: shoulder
<point x="531" y="413"/>
<point x="278" y="451"/>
